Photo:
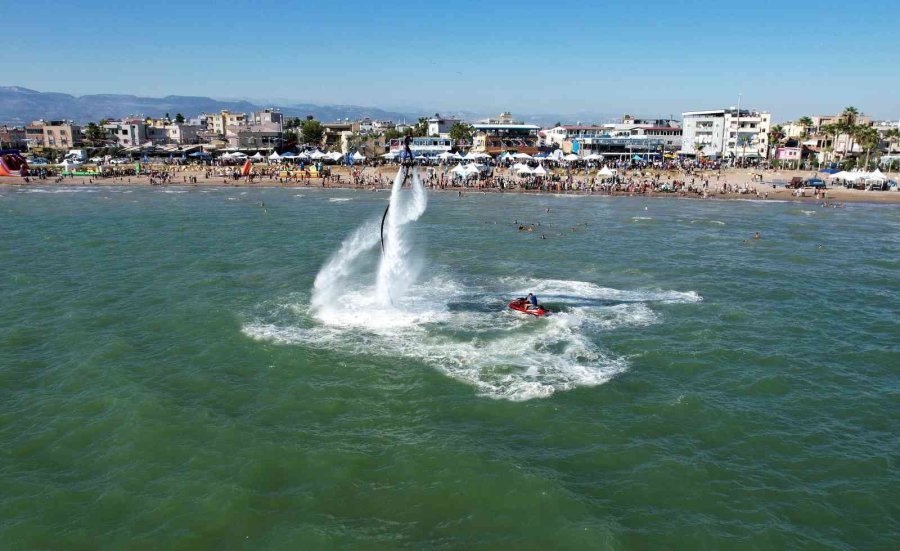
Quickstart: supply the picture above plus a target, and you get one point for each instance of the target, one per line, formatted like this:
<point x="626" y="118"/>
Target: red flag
<point x="246" y="170"/>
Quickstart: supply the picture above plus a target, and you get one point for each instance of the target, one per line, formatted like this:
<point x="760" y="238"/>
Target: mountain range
<point x="20" y="106"/>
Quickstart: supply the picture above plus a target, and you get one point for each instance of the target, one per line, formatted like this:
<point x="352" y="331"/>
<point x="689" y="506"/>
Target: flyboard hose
<point x="406" y="164"/>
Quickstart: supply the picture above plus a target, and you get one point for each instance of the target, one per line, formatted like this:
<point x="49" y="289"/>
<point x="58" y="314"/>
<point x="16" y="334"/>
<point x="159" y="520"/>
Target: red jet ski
<point x="521" y="305"/>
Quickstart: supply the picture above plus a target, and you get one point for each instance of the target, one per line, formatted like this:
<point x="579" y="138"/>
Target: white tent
<point x="522" y="156"/>
<point x="358" y="156"/>
<point x="274" y="156"/>
<point x="606" y="172"/>
<point x="540" y="171"/>
<point x="238" y="155"/>
<point x="389" y="155"/>
<point x="446" y="155"/>
<point x="594" y="157"/>
<point x="556" y="155"/>
<point x="472" y="156"/>
<point x="876" y="175"/>
<point x="524" y="169"/>
<point x="335" y="155"/>
<point x="289" y="155"/>
<point x="472" y="169"/>
<point x="258" y="156"/>
<point x="458" y="169"/>
<point x="571" y="157"/>
<point x="316" y="155"/>
<point x="520" y="166"/>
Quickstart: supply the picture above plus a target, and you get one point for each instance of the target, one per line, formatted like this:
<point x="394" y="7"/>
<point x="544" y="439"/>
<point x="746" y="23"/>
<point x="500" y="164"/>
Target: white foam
<point x="501" y="353"/>
<point x="339" y="199"/>
<point x="173" y="191"/>
<point x="639" y="218"/>
<point x="298" y="195"/>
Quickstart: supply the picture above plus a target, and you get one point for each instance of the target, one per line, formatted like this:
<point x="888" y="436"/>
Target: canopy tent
<point x="606" y="172"/>
<point x="287" y="155"/>
<point x="571" y="157"/>
<point x="556" y="155"/>
<point x="522" y="156"/>
<point x="458" y="169"/>
<point x="540" y="171"/>
<point x="472" y="169"/>
<point x="388" y="155"/>
<point x="335" y="155"/>
<point x="876" y="175"/>
<point x="200" y="154"/>
<point x="472" y="156"/>
<point x="519" y="166"/>
<point x="358" y="156"/>
<point x="258" y="156"/>
<point x="446" y="155"/>
<point x="524" y="169"/>
<point x="637" y="158"/>
<point x="594" y="157"/>
<point x="237" y="155"/>
<point x="274" y="156"/>
<point x="316" y="155"/>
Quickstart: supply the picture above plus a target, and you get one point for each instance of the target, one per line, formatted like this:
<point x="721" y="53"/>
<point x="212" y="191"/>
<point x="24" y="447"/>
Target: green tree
<point x="392" y="134"/>
<point x="311" y="132"/>
<point x="699" y="147"/>
<point x="461" y="132"/>
<point x="775" y="135"/>
<point x="868" y="139"/>
<point x="850" y="115"/>
<point x="179" y="118"/>
<point x="806" y="123"/>
<point x="94" y="134"/>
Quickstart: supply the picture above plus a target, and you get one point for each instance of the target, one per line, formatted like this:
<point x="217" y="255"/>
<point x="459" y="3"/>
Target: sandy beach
<point x="380" y="177"/>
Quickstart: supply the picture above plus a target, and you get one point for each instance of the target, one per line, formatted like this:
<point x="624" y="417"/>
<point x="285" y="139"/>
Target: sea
<point x="167" y="380"/>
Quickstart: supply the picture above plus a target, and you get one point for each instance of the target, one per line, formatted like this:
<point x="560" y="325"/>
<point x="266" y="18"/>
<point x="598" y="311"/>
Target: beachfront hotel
<point x="732" y="133"/>
<point x="505" y="135"/>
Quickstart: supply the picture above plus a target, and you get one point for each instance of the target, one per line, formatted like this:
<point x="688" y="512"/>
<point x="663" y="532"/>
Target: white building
<point x="440" y="126"/>
<point x="726" y="133"/>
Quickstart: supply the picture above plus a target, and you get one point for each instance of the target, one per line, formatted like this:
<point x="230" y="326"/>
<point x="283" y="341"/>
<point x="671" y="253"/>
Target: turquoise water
<point x="164" y="383"/>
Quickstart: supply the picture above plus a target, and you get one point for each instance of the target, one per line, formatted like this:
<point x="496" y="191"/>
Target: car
<point x="119" y="161"/>
<point x="38" y="161"/>
<point x="814" y="182"/>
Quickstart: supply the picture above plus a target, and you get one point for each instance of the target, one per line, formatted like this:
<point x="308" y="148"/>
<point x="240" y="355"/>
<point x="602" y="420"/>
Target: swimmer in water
<point x="756" y="235"/>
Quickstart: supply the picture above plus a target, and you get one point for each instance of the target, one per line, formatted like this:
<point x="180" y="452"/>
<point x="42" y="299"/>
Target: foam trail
<point x="395" y="271"/>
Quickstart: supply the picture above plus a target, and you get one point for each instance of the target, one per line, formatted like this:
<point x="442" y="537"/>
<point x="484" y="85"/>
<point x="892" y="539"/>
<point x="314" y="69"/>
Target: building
<point x="428" y="146"/>
<point x="127" y="132"/>
<point x="13" y="137"/>
<point x="505" y="135"/>
<point x="440" y="126"/>
<point x="335" y="132"/>
<point x="183" y="134"/>
<point x="726" y="133"/>
<point x="54" y="134"/>
<point x="218" y="122"/>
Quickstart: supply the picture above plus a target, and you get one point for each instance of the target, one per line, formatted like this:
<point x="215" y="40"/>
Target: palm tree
<point x="698" y="147"/>
<point x="850" y="114"/>
<point x="831" y="130"/>
<point x="775" y="134"/>
<point x="806" y="123"/>
<point x="868" y="138"/>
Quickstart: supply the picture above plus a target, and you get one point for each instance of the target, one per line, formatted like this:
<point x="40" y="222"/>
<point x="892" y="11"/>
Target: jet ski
<point x="522" y="305"/>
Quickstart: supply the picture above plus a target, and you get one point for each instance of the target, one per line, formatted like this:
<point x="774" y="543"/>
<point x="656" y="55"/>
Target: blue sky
<point x="646" y="58"/>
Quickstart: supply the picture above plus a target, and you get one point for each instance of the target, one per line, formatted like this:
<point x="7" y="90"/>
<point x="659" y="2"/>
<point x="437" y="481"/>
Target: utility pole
<point x="737" y="135"/>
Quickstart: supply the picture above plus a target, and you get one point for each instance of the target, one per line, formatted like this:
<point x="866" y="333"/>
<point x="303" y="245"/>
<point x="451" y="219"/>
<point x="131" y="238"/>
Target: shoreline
<point x="732" y="177"/>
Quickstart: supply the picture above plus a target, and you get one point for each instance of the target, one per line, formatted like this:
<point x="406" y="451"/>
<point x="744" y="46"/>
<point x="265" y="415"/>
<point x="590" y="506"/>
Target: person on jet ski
<point x="532" y="302"/>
